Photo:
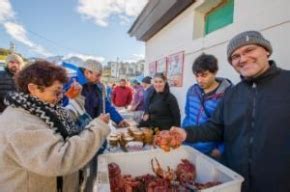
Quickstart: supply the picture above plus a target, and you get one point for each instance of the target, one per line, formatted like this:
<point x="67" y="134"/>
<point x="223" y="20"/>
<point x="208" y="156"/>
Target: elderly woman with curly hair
<point x="39" y="149"/>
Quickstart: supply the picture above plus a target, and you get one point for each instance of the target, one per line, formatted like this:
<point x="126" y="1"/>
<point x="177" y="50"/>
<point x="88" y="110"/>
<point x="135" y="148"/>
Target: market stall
<point x="148" y="160"/>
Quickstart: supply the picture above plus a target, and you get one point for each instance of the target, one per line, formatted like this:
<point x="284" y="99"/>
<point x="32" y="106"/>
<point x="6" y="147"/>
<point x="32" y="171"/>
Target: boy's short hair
<point x="205" y="62"/>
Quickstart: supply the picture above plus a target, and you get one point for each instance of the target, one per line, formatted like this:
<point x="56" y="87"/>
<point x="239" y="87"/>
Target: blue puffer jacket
<point x="196" y="115"/>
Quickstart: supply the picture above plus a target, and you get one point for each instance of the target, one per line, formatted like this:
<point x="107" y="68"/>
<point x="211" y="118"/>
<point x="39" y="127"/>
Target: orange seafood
<point x="167" y="139"/>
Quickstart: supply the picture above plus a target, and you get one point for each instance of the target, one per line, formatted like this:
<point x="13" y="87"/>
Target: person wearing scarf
<point x="39" y="142"/>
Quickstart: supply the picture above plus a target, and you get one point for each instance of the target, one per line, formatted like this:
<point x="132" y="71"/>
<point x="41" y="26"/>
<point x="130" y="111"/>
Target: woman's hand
<point x="105" y="118"/>
<point x="74" y="90"/>
<point x="123" y="123"/>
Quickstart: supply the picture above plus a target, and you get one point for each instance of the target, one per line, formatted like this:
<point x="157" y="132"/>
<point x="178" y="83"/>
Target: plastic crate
<point x="138" y="163"/>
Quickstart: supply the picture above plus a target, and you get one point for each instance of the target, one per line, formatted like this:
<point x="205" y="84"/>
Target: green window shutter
<point x="220" y="17"/>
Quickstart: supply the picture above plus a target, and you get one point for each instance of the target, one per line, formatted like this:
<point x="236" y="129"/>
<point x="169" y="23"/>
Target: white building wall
<point x="270" y="17"/>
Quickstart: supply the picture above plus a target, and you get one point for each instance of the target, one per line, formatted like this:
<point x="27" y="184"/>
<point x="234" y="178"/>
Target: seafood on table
<point x="183" y="178"/>
<point x="166" y="139"/>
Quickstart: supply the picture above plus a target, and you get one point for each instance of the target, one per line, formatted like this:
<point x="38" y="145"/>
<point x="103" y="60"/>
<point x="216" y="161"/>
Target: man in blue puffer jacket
<point x="202" y="99"/>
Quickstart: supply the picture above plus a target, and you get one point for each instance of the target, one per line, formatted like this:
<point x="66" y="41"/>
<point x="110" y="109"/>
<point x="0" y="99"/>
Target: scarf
<point x="54" y="116"/>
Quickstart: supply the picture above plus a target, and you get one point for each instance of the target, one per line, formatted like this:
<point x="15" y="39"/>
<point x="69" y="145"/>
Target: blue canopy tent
<point x="74" y="72"/>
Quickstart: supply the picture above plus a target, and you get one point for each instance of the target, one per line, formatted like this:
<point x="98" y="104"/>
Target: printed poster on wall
<point x="161" y="66"/>
<point x="175" y="69"/>
<point x="152" y="68"/>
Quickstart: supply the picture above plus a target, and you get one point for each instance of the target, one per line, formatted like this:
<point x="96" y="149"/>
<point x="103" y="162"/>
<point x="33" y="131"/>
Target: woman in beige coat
<point x="38" y="152"/>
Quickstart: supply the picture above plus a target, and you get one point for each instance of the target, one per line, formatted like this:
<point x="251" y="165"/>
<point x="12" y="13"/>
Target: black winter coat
<point x="6" y="84"/>
<point x="253" y="120"/>
<point x="163" y="111"/>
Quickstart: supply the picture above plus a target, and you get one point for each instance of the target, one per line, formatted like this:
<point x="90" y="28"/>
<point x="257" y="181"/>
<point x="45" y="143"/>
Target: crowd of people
<point x="52" y="127"/>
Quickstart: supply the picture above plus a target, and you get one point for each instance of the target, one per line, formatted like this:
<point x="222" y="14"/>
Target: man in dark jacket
<point x="94" y="92"/>
<point x="12" y="65"/>
<point x="253" y="118"/>
<point x="146" y="84"/>
<point x="96" y="103"/>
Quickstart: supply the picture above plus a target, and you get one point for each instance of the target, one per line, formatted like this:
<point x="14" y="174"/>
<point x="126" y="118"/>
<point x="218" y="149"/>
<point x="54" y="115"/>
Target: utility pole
<point x="12" y="47"/>
<point x="117" y="69"/>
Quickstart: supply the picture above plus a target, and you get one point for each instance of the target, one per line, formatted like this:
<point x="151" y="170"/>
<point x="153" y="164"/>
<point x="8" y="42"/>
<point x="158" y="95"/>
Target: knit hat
<point x="14" y="57"/>
<point x="93" y="65"/>
<point x="147" y="80"/>
<point x="247" y="38"/>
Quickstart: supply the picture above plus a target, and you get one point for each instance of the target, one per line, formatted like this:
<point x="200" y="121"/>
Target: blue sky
<point x="86" y="28"/>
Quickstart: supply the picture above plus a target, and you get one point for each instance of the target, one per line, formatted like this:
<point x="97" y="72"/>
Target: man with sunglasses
<point x="93" y="91"/>
<point x="95" y="103"/>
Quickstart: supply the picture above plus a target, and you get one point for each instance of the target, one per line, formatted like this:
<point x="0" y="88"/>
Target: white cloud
<point x="17" y="31"/>
<point x="100" y="10"/>
<point x="139" y="56"/>
<point x="133" y="7"/>
<point x="83" y="57"/>
<point x="134" y="58"/>
<point x="124" y="20"/>
<point x="6" y="11"/>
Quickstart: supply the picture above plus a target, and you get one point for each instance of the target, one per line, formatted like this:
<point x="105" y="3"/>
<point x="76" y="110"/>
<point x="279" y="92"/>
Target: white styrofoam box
<point x="139" y="163"/>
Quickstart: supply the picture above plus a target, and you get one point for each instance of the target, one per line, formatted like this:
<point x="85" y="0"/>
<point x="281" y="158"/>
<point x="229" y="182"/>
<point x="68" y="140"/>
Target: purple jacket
<point x="138" y="98"/>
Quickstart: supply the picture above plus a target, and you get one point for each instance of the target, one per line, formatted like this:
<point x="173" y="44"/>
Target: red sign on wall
<point x="175" y="69"/>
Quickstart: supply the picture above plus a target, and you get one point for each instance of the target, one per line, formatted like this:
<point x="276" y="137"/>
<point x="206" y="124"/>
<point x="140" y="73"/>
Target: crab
<point x="168" y="175"/>
<point x="167" y="139"/>
<point x="128" y="183"/>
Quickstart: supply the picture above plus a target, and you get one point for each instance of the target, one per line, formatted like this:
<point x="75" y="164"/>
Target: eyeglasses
<point x="236" y="57"/>
<point x="95" y="73"/>
<point x="58" y="93"/>
<point x="55" y="92"/>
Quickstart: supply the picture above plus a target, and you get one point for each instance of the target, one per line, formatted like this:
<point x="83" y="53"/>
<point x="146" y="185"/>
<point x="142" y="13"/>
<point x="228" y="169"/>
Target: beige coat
<point x="32" y="155"/>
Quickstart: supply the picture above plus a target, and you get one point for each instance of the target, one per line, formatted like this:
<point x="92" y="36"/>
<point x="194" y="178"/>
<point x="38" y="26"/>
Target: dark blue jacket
<point x="253" y="120"/>
<point x="94" y="102"/>
<point x="195" y="114"/>
<point x="93" y="98"/>
<point x="149" y="91"/>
